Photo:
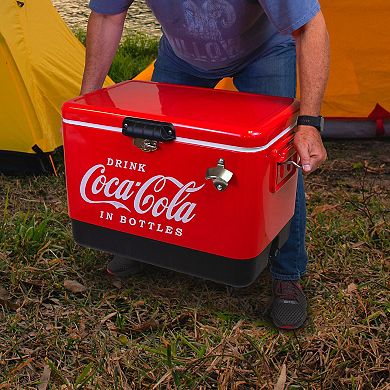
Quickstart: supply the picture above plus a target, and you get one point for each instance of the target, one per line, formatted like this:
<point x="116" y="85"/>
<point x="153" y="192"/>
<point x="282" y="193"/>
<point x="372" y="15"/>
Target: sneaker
<point x="289" y="305"/>
<point x="123" y="267"/>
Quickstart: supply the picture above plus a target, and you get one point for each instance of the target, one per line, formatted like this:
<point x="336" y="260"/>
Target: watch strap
<point x="315" y="121"/>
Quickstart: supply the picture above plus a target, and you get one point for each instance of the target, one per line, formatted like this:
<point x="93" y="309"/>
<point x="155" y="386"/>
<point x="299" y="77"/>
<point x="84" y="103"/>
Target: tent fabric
<point x="343" y="127"/>
<point x="360" y="58"/>
<point x="357" y="98"/>
<point x="41" y="66"/>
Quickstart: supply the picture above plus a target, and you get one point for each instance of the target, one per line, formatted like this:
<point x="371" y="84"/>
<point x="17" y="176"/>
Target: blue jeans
<point x="274" y="74"/>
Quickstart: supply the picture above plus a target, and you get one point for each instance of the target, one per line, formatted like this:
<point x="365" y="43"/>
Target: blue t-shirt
<point x="221" y="35"/>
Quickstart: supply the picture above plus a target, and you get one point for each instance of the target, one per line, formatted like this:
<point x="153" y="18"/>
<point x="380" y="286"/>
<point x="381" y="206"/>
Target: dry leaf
<point x="112" y="328"/>
<point x="162" y="379"/>
<point x="20" y="366"/>
<point x="117" y="283"/>
<point x="45" y="377"/>
<point x="5" y="300"/>
<point x="351" y="288"/>
<point x="359" y="244"/>
<point x="325" y="207"/>
<point x="371" y="169"/>
<point x="55" y="261"/>
<point x="4" y="294"/>
<point x="74" y="286"/>
<point x="147" y="325"/>
<point x="35" y="283"/>
<point x="27" y="351"/>
<point x="107" y="317"/>
<point x="138" y="303"/>
<point x="280" y="384"/>
<point x="386" y="264"/>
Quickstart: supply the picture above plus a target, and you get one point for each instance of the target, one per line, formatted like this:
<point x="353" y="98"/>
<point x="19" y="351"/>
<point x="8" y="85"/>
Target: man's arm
<point x="103" y="35"/>
<point x="312" y="44"/>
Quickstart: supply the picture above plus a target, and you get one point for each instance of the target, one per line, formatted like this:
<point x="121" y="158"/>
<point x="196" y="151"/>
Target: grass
<point x="163" y="330"/>
<point x="167" y="330"/>
<point x="135" y="53"/>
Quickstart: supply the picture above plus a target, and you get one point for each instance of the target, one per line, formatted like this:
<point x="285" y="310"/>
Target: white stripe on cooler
<point x="190" y="141"/>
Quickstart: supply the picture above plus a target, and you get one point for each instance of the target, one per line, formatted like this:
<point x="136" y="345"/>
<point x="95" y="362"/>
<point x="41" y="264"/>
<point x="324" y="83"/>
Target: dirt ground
<point x="65" y="323"/>
<point x="350" y="155"/>
<point x="75" y="13"/>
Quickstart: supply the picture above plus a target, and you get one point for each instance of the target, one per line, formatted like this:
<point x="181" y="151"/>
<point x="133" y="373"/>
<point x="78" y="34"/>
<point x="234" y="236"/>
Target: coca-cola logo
<point x="149" y="197"/>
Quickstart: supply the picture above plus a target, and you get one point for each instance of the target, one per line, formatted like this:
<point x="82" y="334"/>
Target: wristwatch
<point x="315" y="121"/>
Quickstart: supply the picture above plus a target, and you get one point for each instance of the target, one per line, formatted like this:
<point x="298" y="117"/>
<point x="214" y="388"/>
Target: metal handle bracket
<point x="290" y="162"/>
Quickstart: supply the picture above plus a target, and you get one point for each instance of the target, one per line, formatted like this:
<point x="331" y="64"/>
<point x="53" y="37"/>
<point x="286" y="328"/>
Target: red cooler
<point x="196" y="180"/>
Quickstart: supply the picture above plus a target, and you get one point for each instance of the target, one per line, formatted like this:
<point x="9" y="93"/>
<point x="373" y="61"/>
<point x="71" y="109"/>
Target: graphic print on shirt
<point x="207" y="25"/>
<point x="206" y="21"/>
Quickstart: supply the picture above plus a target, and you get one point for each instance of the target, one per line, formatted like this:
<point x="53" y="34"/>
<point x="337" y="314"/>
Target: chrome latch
<point x="219" y="175"/>
<point x="146" y="145"/>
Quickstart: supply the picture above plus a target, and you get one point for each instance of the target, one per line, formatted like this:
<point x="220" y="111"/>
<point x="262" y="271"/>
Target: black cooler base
<point x="236" y="273"/>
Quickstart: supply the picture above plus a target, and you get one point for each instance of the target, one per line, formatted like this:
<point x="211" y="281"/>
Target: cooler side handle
<point x="284" y="163"/>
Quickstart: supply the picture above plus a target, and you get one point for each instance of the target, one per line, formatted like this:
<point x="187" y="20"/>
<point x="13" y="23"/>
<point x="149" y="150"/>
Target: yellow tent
<point x="357" y="99"/>
<point x="358" y="93"/>
<point x="41" y="65"/>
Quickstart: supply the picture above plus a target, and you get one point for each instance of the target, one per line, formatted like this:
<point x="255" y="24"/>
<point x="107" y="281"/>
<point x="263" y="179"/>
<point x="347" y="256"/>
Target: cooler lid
<point x="217" y="116"/>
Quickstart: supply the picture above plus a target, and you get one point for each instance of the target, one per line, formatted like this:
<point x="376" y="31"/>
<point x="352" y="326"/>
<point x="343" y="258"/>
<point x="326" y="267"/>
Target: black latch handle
<point x="148" y="129"/>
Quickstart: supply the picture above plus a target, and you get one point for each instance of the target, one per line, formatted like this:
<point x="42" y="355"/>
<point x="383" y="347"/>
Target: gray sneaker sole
<point x="124" y="267"/>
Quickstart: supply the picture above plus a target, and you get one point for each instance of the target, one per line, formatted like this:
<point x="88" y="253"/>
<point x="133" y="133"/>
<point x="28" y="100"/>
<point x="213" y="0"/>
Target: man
<point x="257" y="42"/>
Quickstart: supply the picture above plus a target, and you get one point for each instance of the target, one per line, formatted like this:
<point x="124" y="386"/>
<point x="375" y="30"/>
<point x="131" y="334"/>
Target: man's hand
<point x="308" y="144"/>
